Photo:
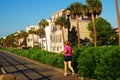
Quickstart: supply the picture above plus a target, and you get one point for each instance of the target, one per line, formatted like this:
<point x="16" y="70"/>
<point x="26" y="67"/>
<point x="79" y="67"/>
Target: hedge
<point x="100" y="63"/>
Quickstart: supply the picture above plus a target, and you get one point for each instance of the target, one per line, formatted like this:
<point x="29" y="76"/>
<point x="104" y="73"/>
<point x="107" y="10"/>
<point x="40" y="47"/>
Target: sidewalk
<point x="25" y="69"/>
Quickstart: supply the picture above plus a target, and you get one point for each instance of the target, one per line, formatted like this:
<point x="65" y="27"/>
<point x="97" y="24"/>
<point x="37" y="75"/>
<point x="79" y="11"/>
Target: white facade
<point x="58" y="14"/>
<point x="32" y="40"/>
<point x="42" y="43"/>
<point x="56" y="41"/>
<point x="48" y="32"/>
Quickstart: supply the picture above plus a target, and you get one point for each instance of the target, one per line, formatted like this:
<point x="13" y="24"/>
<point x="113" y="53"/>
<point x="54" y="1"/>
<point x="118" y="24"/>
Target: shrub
<point x="60" y="61"/>
<point x="109" y="67"/>
<point x="101" y="63"/>
<point x="87" y="62"/>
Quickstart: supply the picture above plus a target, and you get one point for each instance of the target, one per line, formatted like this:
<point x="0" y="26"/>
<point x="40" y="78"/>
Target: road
<point x="25" y="69"/>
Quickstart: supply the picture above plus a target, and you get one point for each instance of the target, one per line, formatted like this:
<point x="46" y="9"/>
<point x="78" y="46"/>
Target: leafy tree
<point x="62" y="21"/>
<point x="95" y="8"/>
<point x="105" y="33"/>
<point x="73" y="36"/>
<point x="9" y="41"/>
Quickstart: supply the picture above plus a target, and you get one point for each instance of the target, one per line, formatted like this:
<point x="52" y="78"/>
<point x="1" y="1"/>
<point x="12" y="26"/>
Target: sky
<point x="15" y="15"/>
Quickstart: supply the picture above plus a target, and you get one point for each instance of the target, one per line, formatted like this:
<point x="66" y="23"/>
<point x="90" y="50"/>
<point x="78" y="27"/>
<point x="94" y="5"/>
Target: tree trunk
<point x="94" y="30"/>
<point x="118" y="18"/>
<point x="78" y="32"/>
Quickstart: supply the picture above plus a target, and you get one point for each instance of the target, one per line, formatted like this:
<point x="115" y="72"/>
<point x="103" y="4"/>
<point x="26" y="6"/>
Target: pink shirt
<point x="68" y="49"/>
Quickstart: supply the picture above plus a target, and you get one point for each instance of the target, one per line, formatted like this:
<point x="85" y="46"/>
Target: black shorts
<point x="67" y="58"/>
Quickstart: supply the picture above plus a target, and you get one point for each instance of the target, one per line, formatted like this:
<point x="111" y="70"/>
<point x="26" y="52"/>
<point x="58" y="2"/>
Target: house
<point x="56" y="39"/>
<point x="32" y="39"/>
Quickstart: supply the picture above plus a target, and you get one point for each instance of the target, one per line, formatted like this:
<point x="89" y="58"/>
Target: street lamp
<point x="68" y="21"/>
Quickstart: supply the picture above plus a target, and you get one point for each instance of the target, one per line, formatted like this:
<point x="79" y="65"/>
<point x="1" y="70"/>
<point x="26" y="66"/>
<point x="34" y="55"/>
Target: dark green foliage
<point x="105" y="33"/>
<point x="109" y="67"/>
<point x="76" y="54"/>
<point x="8" y="41"/>
<point x="87" y="62"/>
<point x="73" y="36"/>
<point x="101" y="63"/>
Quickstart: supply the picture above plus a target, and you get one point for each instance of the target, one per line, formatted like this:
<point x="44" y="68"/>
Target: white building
<point x="54" y="41"/>
<point x="32" y="39"/>
<point x="48" y="32"/>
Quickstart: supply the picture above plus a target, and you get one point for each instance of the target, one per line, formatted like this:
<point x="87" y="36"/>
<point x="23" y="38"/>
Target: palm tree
<point x="118" y="18"/>
<point x="62" y="21"/>
<point x="84" y="10"/>
<point x="76" y="10"/>
<point x="41" y="32"/>
<point x="42" y="24"/>
<point x="25" y="35"/>
<point x="22" y="34"/>
<point x="95" y="8"/>
<point x="32" y="31"/>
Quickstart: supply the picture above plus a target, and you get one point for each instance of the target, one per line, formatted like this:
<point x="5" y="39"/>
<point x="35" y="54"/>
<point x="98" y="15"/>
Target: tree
<point x="62" y="21"/>
<point x="9" y="41"/>
<point x="33" y="32"/>
<point x="42" y="24"/>
<point x="105" y="33"/>
<point x="73" y="36"/>
<point x="118" y="18"/>
<point x="95" y="8"/>
<point x="22" y="34"/>
<point x="40" y="32"/>
<point x="76" y="9"/>
<point x="25" y="35"/>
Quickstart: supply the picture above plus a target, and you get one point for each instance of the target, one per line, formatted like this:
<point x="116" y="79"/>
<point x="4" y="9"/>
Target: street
<point x="25" y="69"/>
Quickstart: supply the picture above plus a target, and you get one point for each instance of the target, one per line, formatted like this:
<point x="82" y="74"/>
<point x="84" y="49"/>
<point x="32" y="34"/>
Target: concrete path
<point x="25" y="69"/>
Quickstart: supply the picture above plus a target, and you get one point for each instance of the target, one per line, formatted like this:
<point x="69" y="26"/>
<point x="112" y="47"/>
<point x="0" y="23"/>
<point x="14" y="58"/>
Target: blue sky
<point x="15" y="15"/>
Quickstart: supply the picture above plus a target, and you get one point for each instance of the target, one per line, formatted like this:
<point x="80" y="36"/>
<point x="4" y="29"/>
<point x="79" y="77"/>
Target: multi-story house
<point x="32" y="39"/>
<point x="53" y="41"/>
<point x="56" y="39"/>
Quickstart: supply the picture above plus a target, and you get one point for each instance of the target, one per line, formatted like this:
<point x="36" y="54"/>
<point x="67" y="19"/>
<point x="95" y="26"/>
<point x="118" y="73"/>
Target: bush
<point x="87" y="63"/>
<point x="76" y="54"/>
<point x="101" y="63"/>
<point x="60" y="61"/>
<point x="109" y="67"/>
